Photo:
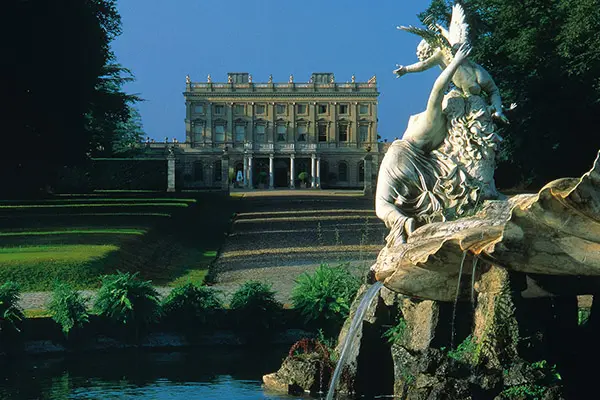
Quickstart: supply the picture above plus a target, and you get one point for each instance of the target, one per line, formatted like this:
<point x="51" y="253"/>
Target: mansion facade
<point x="270" y="135"/>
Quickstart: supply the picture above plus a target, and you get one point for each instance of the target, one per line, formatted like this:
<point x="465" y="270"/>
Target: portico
<point x="280" y="170"/>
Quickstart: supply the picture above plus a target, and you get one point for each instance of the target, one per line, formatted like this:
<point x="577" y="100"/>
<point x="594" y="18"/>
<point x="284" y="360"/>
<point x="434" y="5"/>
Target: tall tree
<point x="55" y="62"/>
<point x="544" y="55"/>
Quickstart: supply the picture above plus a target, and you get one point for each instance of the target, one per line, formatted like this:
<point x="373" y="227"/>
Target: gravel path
<point x="276" y="237"/>
<point x="39" y="300"/>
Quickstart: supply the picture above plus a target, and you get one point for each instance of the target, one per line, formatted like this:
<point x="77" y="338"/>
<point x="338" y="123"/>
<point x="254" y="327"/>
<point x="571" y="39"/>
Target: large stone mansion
<point x="264" y="135"/>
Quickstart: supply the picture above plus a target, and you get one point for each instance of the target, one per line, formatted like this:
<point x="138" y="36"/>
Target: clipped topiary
<point x="68" y="308"/>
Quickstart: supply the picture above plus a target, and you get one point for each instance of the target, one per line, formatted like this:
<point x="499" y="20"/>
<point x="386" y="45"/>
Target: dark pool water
<point x="205" y="373"/>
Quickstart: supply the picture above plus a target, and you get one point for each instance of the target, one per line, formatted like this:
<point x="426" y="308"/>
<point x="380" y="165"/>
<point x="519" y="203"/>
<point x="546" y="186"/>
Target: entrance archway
<point x="282" y="173"/>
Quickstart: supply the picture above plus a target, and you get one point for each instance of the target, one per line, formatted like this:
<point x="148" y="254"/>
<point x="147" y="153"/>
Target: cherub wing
<point x="431" y="36"/>
<point x="459" y="29"/>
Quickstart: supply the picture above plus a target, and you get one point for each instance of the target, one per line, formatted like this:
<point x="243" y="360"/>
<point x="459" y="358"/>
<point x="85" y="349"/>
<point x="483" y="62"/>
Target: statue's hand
<point x="401" y="70"/>
<point x="462" y="53"/>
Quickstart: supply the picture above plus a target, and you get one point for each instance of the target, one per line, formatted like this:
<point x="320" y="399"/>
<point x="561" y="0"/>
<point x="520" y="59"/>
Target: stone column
<point x="334" y="120"/>
<point x="292" y="172"/>
<point x="229" y="127"/>
<point x="225" y="172"/>
<point x="318" y="178"/>
<point x="271" y="126"/>
<point x="315" y="129"/>
<point x="355" y="119"/>
<point x="250" y="131"/>
<point x="208" y="127"/>
<point x="271" y="172"/>
<point x="292" y="120"/>
<point x="250" y="182"/>
<point x="171" y="172"/>
<point x="245" y="171"/>
<point x="368" y="183"/>
<point x="189" y="126"/>
<point x="373" y="127"/>
<point x="313" y="179"/>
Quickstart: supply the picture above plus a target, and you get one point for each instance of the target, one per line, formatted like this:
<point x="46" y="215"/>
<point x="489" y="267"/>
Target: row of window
<point x="342" y="174"/>
<point x="239" y="133"/>
<point x="260" y="109"/>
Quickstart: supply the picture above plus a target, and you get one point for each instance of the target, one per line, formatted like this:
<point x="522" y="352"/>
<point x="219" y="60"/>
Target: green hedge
<point x="114" y="174"/>
<point x="129" y="174"/>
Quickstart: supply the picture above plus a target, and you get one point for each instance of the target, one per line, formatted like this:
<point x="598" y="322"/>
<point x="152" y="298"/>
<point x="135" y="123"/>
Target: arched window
<point x="198" y="171"/>
<point x="217" y="176"/>
<point x="343" y="171"/>
<point x="361" y="171"/>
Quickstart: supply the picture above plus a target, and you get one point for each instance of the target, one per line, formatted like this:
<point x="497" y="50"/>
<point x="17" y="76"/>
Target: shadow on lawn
<point x="164" y="249"/>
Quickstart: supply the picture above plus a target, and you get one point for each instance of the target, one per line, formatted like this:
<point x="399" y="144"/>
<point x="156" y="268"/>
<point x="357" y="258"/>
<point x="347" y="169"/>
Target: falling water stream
<point x="460" y="272"/>
<point x="354" y="325"/>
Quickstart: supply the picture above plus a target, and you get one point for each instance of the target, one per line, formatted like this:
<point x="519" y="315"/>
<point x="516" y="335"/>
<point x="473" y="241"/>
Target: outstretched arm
<point x="489" y="86"/>
<point x="434" y="104"/>
<point x="421" y="65"/>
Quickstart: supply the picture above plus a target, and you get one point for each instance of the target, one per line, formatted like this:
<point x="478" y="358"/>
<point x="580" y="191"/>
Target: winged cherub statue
<point x="437" y="48"/>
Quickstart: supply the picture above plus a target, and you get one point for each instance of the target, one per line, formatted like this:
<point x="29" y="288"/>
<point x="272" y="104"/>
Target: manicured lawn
<point x="75" y="239"/>
<point x="38" y="267"/>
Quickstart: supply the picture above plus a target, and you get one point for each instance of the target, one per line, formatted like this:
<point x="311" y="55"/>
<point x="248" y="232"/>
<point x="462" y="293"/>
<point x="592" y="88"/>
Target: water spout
<point x="354" y="325"/>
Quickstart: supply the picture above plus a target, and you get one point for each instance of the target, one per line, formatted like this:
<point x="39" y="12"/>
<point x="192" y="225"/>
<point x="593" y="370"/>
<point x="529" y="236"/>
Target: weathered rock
<point x="495" y="329"/>
<point x="298" y="374"/>
<point x="274" y="383"/>
<point x="421" y="319"/>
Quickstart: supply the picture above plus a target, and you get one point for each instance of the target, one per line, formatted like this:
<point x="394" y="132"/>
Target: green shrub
<point x="126" y="299"/>
<point x="262" y="177"/>
<point x="325" y="296"/>
<point x="396" y="333"/>
<point x="68" y="308"/>
<point x="11" y="313"/>
<point x="303" y="177"/>
<point x="255" y="306"/>
<point x="468" y="351"/>
<point x="191" y="303"/>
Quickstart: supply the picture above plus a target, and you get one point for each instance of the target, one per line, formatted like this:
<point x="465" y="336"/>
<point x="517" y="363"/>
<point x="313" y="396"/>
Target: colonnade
<point x="315" y="171"/>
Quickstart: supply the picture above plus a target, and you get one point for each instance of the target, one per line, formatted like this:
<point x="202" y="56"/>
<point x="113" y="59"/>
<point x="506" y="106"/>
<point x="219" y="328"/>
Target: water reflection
<point x="205" y="373"/>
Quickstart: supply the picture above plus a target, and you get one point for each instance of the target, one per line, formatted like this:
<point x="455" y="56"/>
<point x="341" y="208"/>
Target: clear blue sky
<point x="162" y="41"/>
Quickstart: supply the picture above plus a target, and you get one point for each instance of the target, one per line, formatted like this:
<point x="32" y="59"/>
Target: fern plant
<point x="127" y="300"/>
<point x="395" y="334"/>
<point x="255" y="306"/>
<point x="68" y="308"/>
<point x="325" y="297"/>
<point x="11" y="313"/>
<point x="191" y="304"/>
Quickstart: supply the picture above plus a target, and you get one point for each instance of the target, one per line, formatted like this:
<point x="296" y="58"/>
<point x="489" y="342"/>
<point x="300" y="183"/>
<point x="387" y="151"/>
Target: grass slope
<point x="78" y="239"/>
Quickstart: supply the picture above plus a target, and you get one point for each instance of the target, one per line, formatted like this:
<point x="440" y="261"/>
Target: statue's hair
<point x="424" y="50"/>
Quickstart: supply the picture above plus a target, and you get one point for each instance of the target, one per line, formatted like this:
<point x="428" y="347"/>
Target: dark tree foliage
<point x="61" y="90"/>
<point x="545" y="56"/>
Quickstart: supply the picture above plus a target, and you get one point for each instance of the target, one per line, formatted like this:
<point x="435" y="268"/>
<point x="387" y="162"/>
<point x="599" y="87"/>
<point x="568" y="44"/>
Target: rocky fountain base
<point x="506" y="347"/>
<point x="483" y="307"/>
